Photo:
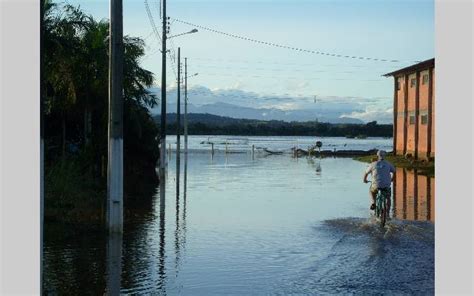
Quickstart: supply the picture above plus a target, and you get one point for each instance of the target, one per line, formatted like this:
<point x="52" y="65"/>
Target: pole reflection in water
<point x="184" y="197"/>
<point x="176" y="232"/>
<point x="114" y="263"/>
<point x="413" y="196"/>
<point x="161" y="252"/>
<point x="180" y="236"/>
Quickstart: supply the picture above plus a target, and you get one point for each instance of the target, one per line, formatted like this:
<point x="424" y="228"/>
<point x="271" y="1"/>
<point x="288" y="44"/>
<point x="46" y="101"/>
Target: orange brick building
<point x="413" y="110"/>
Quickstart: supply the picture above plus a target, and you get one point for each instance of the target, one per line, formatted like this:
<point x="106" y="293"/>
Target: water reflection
<point x="315" y="162"/>
<point x="413" y="196"/>
<point x="114" y="263"/>
<point x="177" y="230"/>
<point x="161" y="252"/>
<point x="249" y="228"/>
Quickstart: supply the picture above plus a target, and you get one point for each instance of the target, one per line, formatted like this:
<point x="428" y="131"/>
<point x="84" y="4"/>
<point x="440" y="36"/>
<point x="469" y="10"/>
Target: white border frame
<point x="19" y="147"/>
<point x="454" y="145"/>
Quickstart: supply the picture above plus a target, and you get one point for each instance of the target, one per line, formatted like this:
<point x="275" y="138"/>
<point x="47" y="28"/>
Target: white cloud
<point x="371" y="114"/>
<point x="365" y="109"/>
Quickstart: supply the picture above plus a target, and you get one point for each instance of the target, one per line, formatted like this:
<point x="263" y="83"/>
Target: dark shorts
<point x="374" y="189"/>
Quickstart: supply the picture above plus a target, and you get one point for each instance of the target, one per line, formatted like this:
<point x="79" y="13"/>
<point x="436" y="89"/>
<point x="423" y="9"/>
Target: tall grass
<point x="71" y="191"/>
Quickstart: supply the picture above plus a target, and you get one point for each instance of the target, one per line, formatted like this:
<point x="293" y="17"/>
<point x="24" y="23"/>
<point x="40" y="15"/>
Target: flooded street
<point x="267" y="224"/>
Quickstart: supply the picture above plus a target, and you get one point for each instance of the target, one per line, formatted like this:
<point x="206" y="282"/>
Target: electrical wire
<point x="289" y="77"/>
<point x="157" y="35"/>
<point x="234" y="61"/>
<point x="285" y="46"/>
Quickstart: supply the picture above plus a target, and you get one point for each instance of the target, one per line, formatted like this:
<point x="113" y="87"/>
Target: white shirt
<point x="380" y="171"/>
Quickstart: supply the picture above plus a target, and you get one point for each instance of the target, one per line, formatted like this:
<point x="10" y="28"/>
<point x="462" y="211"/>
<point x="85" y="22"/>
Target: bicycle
<point x="381" y="205"/>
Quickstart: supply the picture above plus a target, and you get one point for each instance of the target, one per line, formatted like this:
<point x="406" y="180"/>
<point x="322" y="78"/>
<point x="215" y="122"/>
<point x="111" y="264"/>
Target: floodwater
<point x="256" y="225"/>
<point x="278" y="143"/>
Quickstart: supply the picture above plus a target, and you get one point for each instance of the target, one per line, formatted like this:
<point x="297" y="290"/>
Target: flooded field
<point x="257" y="225"/>
<point x="278" y="143"/>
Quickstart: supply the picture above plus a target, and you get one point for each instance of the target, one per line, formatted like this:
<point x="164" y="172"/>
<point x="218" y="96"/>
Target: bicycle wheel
<point x="383" y="214"/>
<point x="378" y="204"/>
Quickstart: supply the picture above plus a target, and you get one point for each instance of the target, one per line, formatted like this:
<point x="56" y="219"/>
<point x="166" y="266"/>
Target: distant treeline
<point x="208" y="124"/>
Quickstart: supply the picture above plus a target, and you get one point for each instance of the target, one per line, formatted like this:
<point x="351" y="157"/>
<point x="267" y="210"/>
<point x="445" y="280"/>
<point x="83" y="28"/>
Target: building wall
<point x="400" y="122"/>
<point x="433" y="113"/>
<point x="411" y="112"/>
<point x="424" y="122"/>
<point x="423" y="112"/>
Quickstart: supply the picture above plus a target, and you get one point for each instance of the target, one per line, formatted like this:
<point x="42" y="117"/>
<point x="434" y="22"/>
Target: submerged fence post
<point x="212" y="148"/>
<point x="296" y="150"/>
<point x="225" y="146"/>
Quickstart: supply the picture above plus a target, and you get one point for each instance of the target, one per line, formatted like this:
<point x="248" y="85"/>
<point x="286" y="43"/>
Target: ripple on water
<point x="364" y="259"/>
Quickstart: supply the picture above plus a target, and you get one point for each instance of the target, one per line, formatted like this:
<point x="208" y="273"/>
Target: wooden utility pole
<point x="186" y="109"/>
<point x="115" y="161"/>
<point x="178" y="124"/>
<point x="163" y="92"/>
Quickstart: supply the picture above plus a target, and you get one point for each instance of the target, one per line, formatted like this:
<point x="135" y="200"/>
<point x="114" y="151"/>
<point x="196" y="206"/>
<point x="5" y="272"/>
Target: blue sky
<point x="401" y="30"/>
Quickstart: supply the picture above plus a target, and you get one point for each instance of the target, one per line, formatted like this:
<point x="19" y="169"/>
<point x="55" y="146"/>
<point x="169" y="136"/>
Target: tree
<point x="76" y="52"/>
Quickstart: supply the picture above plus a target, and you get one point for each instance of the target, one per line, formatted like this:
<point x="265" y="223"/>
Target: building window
<point x="412" y="119"/>
<point x="399" y="83"/>
<point x="413" y="82"/>
<point x="425" y="79"/>
<point x="424" y="119"/>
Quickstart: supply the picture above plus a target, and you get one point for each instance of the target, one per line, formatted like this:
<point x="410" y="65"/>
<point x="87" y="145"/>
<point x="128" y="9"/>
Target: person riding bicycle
<point x="382" y="176"/>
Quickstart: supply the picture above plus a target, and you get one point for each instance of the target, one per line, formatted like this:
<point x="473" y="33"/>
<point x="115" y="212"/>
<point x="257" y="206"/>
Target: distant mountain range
<point x="240" y="112"/>
<point x="247" y="105"/>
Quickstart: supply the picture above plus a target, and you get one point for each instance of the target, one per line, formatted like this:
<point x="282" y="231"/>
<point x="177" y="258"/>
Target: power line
<point x="155" y="30"/>
<point x="284" y="64"/>
<point x="286" y="46"/>
<point x="199" y="65"/>
<point x="291" y="77"/>
<point x="148" y="35"/>
<point x="152" y="21"/>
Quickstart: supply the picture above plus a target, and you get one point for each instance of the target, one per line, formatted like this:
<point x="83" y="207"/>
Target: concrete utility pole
<point x="115" y="161"/>
<point x="178" y="124"/>
<point x="186" y="109"/>
<point x="163" y="92"/>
